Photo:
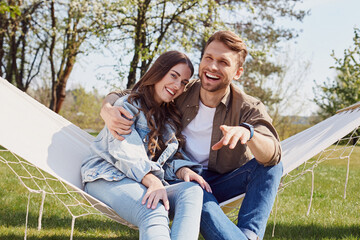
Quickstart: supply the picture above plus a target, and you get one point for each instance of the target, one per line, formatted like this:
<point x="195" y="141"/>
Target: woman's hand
<point x="156" y="192"/>
<point x="188" y="175"/>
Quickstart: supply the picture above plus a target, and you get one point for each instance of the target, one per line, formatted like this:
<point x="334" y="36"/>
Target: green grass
<point x="331" y="216"/>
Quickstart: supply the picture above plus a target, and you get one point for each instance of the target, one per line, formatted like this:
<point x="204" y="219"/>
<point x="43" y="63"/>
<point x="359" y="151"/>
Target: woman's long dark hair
<point x="167" y="113"/>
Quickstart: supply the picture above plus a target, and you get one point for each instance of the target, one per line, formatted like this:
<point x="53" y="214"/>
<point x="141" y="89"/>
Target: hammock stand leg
<point x="347" y="177"/>
<point x="27" y="215"/>
<point x="276" y="206"/>
<point x="41" y="210"/>
<point x="275" y="212"/>
<point x="312" y="192"/>
<point x="72" y="227"/>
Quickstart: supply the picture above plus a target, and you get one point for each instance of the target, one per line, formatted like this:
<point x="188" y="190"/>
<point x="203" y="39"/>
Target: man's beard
<point x="214" y="88"/>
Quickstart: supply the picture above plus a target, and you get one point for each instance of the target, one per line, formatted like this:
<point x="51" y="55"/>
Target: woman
<point x="130" y="175"/>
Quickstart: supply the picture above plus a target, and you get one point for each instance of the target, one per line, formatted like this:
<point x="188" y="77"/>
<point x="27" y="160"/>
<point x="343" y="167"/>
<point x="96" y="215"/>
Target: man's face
<point x="218" y="66"/>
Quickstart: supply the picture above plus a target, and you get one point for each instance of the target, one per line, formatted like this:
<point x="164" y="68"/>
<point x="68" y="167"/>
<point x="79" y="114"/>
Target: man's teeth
<point x="212" y="76"/>
<point x="171" y="92"/>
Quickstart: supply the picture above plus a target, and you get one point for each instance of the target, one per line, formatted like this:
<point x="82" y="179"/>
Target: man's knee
<point x="276" y="171"/>
<point x="209" y="201"/>
<point x="271" y="172"/>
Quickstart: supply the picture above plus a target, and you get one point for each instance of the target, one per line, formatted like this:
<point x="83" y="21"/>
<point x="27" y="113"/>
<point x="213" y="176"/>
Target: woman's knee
<point x="153" y="223"/>
<point x="151" y="217"/>
<point x="191" y="189"/>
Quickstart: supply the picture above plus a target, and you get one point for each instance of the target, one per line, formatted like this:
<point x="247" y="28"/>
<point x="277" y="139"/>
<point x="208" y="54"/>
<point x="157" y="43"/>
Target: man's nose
<point x="213" y="66"/>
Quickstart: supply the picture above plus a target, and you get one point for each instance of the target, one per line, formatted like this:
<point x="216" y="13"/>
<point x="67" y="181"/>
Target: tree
<point x="39" y="35"/>
<point x="72" y="23"/>
<point x="48" y="36"/>
<point x="155" y="26"/>
<point x="145" y="31"/>
<point x="344" y="90"/>
<point x="256" y="23"/>
<point x="20" y="54"/>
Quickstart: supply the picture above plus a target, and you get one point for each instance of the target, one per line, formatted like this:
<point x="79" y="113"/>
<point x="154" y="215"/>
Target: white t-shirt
<point x="198" y="135"/>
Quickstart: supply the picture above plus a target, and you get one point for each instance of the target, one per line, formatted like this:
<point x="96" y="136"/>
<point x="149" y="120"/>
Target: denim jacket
<point x="113" y="160"/>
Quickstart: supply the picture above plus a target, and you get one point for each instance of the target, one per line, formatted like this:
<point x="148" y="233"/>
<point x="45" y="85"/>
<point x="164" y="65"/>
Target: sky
<point x="330" y="26"/>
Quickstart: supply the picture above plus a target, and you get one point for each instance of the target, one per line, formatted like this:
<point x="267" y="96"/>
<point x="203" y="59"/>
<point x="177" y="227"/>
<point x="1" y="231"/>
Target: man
<point x="230" y="134"/>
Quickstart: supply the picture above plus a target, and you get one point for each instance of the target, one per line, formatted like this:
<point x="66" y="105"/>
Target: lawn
<point x="331" y="216"/>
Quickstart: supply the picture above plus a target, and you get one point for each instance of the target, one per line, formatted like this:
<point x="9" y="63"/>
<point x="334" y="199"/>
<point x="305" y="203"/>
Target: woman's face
<point x="172" y="84"/>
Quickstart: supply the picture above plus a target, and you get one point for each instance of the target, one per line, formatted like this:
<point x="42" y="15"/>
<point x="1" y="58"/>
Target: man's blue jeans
<point x="260" y="185"/>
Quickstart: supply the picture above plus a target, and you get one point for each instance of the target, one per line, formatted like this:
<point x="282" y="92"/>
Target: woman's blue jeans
<point x="260" y="185"/>
<point x="125" y="198"/>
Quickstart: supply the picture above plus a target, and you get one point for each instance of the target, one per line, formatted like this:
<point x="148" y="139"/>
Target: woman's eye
<point x="184" y="82"/>
<point x="173" y="75"/>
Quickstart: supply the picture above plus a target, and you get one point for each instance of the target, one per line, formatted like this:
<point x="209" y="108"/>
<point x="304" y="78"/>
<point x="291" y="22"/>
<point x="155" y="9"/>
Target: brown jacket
<point x="235" y="107"/>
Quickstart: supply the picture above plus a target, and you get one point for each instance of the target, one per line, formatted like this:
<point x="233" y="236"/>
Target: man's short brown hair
<point x="232" y="41"/>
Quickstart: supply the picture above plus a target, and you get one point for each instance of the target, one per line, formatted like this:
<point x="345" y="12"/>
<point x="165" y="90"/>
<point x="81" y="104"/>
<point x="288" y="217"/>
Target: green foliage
<point x="43" y="39"/>
<point x="156" y="26"/>
<point x="344" y="90"/>
<point x="82" y="108"/>
<point x="12" y="9"/>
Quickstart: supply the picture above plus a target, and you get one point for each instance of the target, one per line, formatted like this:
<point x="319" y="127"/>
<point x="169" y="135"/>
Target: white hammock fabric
<point x="54" y="145"/>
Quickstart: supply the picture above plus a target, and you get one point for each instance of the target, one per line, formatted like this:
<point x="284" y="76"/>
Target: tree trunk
<point x="140" y="38"/>
<point x="11" y="64"/>
<point x="61" y="83"/>
<point x="22" y="40"/>
<point x="51" y="58"/>
<point x="3" y="27"/>
<point x="133" y="67"/>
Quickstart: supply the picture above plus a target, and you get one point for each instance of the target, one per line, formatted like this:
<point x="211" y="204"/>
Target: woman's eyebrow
<point x="176" y="73"/>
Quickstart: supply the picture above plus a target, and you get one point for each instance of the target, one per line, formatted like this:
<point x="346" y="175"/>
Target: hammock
<point x="54" y="149"/>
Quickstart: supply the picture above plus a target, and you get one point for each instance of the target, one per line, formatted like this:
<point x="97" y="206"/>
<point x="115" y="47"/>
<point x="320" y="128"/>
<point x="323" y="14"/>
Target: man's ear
<point x="238" y="74"/>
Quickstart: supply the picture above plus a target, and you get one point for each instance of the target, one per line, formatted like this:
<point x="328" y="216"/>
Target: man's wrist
<point x="249" y="127"/>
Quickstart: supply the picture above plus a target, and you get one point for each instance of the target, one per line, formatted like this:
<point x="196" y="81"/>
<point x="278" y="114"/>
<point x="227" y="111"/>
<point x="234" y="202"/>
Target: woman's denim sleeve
<point x="173" y="165"/>
<point x="129" y="155"/>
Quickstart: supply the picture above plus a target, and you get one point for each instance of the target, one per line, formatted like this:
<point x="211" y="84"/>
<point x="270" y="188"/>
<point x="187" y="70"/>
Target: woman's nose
<point x="177" y="84"/>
